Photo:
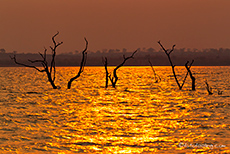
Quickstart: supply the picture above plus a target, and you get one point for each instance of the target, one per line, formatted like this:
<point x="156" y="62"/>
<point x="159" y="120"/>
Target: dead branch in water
<point x="50" y="71"/>
<point x="168" y="52"/>
<point x="219" y="92"/>
<point x="114" y="78"/>
<point x="83" y="62"/>
<point x="190" y="73"/>
<point x="105" y="63"/>
<point x="209" y="89"/>
<point x="156" y="76"/>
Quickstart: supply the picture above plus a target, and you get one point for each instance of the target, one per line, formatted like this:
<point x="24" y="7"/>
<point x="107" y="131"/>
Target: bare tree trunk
<point x="114" y="79"/>
<point x="167" y="52"/>
<point x="106" y="71"/>
<point x="190" y="73"/>
<point x="51" y="81"/>
<point x="209" y="89"/>
<point x="50" y="71"/>
<point x="157" y="77"/>
<point x="83" y="62"/>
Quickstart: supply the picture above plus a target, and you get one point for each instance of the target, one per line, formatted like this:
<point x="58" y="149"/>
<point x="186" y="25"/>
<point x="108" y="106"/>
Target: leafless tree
<point x="83" y="62"/>
<point x="105" y="63"/>
<point x="49" y="70"/>
<point x="209" y="89"/>
<point x="168" y="52"/>
<point x="114" y="78"/>
<point x="157" y="77"/>
<point x="191" y="75"/>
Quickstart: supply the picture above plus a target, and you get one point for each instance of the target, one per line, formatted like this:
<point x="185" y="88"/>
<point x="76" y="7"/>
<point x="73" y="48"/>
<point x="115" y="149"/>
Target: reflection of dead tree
<point x="115" y="77"/>
<point x="50" y="71"/>
<point x="83" y="61"/>
<point x="190" y="73"/>
<point x="157" y="77"/>
<point x="209" y="89"/>
<point x="167" y="52"/>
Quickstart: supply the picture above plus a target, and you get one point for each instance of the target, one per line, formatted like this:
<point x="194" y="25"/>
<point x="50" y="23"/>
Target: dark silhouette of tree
<point x="114" y="78"/>
<point x="190" y="73"/>
<point x="49" y="70"/>
<point x="105" y="63"/>
<point x="156" y="77"/>
<point x="168" y="52"/>
<point x="83" y="62"/>
<point x="209" y="89"/>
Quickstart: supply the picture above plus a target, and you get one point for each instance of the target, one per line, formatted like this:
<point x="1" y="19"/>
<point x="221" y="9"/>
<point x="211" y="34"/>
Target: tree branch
<point x="173" y="66"/>
<point x="187" y="72"/>
<point x="155" y="75"/>
<point x="52" y="65"/>
<point x="83" y="62"/>
<point x="31" y="66"/>
<point x="209" y="89"/>
<point x="105" y="63"/>
<point x="115" y="78"/>
<point x="190" y="73"/>
<point x="51" y="76"/>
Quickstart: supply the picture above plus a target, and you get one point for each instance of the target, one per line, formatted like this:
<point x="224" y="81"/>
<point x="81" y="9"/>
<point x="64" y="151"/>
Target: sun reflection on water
<point x="140" y="116"/>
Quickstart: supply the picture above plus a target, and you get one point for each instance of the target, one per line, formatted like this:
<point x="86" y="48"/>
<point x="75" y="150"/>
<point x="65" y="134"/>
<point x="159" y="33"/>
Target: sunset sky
<point x="28" y="25"/>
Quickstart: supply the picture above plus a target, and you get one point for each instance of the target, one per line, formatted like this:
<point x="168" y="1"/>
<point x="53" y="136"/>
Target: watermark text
<point x="199" y="145"/>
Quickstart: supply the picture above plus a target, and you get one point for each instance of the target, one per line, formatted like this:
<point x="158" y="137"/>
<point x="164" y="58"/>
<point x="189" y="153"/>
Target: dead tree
<point x="49" y="70"/>
<point x="157" y="77"/>
<point x="209" y="89"/>
<point x="114" y="78"/>
<point x="168" y="52"/>
<point x="190" y="73"/>
<point x="105" y="63"/>
<point x="83" y="62"/>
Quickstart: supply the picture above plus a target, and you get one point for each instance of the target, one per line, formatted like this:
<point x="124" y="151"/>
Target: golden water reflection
<point x="140" y="116"/>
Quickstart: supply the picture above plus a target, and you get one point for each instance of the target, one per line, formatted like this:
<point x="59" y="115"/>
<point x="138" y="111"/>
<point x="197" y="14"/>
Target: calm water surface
<point x="140" y="116"/>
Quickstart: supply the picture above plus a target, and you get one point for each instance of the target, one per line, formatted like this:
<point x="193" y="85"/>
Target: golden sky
<point x="28" y="25"/>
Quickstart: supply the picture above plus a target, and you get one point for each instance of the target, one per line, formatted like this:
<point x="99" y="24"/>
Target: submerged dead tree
<point x="105" y="63"/>
<point x="209" y="89"/>
<point x="83" y="62"/>
<point x="190" y="73"/>
<point x="50" y="70"/>
<point x="168" y="52"/>
<point x="113" y="79"/>
<point x="156" y="76"/>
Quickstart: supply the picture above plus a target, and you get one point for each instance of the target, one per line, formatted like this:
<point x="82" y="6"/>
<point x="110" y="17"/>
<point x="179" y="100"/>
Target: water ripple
<point x="139" y="116"/>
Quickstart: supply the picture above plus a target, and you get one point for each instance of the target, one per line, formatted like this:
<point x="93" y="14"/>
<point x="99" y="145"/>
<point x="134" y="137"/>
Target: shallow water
<point x="139" y="116"/>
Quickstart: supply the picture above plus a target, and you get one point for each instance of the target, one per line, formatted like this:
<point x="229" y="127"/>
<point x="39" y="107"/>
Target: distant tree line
<point x="205" y="57"/>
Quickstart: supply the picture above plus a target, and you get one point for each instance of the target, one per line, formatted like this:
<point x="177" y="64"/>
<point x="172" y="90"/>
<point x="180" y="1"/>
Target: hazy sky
<point x="28" y="25"/>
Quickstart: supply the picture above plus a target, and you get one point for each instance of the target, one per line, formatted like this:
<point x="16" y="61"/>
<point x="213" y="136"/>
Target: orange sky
<point x="28" y="25"/>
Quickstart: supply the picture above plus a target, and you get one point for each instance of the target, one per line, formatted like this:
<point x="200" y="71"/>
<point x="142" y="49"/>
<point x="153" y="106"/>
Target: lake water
<point x="139" y="116"/>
